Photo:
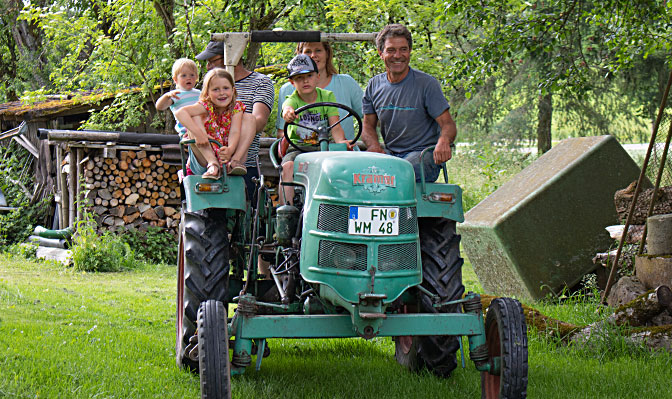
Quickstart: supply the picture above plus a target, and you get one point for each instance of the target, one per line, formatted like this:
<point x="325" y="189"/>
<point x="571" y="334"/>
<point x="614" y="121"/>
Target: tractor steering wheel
<point x="350" y="111"/>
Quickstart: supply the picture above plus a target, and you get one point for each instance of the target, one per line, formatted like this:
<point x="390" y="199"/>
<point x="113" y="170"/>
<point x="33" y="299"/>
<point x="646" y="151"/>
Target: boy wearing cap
<point x="303" y="76"/>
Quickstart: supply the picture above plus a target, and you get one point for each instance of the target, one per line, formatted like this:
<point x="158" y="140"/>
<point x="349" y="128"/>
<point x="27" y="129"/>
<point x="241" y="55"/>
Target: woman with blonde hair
<point x="344" y="87"/>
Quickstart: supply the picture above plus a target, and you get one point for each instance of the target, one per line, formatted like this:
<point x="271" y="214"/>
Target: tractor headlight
<point x="441" y="197"/>
<point x="344" y="258"/>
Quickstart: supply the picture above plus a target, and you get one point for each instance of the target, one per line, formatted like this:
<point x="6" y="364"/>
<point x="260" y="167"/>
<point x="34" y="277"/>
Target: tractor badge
<point x="374" y="180"/>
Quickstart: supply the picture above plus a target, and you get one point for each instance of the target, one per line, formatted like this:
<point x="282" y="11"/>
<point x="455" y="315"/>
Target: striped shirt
<point x="252" y="89"/>
<point x="187" y="97"/>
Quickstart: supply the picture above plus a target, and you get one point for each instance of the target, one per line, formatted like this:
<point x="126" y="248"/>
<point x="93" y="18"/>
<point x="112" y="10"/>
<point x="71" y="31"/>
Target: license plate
<point x="373" y="221"/>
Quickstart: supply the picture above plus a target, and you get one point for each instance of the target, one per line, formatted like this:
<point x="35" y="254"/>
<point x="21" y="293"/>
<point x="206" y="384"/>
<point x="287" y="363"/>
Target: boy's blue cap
<point x="301" y="64"/>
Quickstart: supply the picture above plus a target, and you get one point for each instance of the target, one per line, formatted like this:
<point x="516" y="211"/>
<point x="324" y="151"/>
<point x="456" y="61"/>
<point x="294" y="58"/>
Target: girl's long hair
<point x="331" y="69"/>
<point x="218" y="73"/>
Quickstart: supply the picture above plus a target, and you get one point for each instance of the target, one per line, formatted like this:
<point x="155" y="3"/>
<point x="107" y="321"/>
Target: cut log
<point x="131" y="218"/>
<point x="118" y="211"/>
<point x="132" y="199"/>
<point x="150" y="214"/>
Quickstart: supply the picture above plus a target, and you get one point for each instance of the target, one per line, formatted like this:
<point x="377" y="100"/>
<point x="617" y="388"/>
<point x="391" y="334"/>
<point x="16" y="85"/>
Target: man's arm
<point x="443" y="151"/>
<point x="369" y="133"/>
<point x="261" y="113"/>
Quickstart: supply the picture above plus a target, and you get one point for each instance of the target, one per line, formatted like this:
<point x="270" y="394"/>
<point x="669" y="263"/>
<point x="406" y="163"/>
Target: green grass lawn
<point x="74" y="335"/>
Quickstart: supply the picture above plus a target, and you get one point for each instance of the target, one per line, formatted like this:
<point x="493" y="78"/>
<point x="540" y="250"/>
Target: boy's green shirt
<point x="314" y="117"/>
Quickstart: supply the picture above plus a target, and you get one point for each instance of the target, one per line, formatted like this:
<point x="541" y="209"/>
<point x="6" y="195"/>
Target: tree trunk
<point x="165" y="10"/>
<point x="28" y="38"/>
<point x="545" y="118"/>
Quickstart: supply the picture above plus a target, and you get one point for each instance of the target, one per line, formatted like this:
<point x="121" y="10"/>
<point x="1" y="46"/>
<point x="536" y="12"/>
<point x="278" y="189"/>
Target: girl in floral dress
<point x="217" y="115"/>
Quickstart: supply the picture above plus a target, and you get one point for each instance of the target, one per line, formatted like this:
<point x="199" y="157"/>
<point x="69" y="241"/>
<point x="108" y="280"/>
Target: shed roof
<point x="65" y="104"/>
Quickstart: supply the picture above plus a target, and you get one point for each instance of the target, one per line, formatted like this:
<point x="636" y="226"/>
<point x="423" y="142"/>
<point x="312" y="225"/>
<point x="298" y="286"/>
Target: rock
<point x="654" y="270"/>
<point x="132" y="199"/>
<point x="626" y="290"/>
<point x="623" y="200"/>
<point x="634" y="233"/>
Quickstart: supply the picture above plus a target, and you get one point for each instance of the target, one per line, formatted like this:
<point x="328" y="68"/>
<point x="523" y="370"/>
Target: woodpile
<point x="136" y="189"/>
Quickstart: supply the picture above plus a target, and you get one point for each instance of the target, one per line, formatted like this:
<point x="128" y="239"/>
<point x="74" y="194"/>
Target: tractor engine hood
<point x="356" y="178"/>
<point x="373" y="260"/>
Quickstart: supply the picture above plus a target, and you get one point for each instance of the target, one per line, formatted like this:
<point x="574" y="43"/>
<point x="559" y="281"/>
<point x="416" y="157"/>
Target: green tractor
<point x="365" y="251"/>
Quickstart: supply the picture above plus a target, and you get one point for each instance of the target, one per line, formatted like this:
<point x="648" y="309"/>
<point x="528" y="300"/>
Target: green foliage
<point x="126" y="111"/>
<point x="482" y="169"/>
<point x="156" y="245"/>
<point x="107" y="252"/>
<point x="17" y="225"/>
<point x="23" y="250"/>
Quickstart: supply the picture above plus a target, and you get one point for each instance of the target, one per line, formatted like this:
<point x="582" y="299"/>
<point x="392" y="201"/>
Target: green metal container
<point x="539" y="232"/>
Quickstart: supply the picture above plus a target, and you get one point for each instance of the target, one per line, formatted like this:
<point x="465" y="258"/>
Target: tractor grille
<point x="335" y="218"/>
<point x="398" y="257"/>
<point x="338" y="255"/>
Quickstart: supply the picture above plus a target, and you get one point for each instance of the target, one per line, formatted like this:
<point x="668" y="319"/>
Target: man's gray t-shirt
<point x="407" y="110"/>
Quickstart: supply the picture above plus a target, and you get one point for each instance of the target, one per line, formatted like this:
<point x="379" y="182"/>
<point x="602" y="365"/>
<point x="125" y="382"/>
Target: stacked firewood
<point x="134" y="190"/>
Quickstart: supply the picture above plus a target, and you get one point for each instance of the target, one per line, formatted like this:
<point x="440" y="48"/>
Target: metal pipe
<point x="661" y="168"/>
<point x="642" y="175"/>
<point x="283" y="294"/>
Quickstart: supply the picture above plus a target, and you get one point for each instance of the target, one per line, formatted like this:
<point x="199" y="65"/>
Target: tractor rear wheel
<point x="442" y="275"/>
<point x="506" y="338"/>
<point x="213" y="351"/>
<point x="203" y="272"/>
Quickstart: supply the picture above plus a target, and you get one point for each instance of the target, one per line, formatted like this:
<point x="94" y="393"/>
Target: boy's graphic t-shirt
<point x="314" y="117"/>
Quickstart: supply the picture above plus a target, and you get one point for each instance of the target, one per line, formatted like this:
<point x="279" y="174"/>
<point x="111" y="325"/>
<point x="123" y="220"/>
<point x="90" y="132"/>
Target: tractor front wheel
<point x="506" y="339"/>
<point x="213" y="351"/>
<point x="203" y="272"/>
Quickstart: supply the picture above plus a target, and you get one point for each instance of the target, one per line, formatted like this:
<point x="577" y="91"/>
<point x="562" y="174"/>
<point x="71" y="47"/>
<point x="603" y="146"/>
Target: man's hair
<point x="218" y="73"/>
<point x="393" y="30"/>
<point x="184" y="63"/>
<point x="331" y="69"/>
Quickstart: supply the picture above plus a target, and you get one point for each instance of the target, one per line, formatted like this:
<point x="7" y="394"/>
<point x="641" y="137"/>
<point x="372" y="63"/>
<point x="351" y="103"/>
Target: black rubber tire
<point x="205" y="244"/>
<point x="506" y="337"/>
<point x="213" y="351"/>
<point x="442" y="275"/>
<point x="181" y="339"/>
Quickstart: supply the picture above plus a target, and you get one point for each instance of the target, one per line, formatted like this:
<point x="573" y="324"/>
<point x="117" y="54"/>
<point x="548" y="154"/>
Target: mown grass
<point x="95" y="335"/>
